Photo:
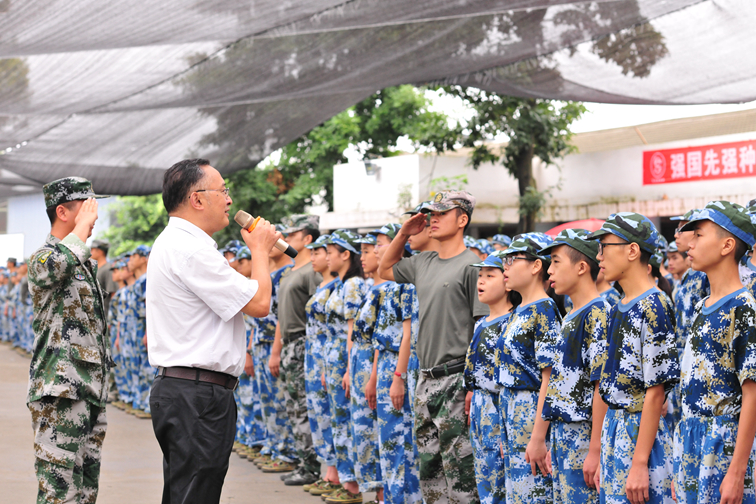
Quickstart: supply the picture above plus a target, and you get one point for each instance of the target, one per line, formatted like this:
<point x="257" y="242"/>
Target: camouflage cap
<point x="657" y="258"/>
<point x="501" y="239"/>
<point x="672" y="247"/>
<point x="577" y="239"/>
<point x="321" y="242"/>
<point x="281" y="229"/>
<point x="346" y="239"/>
<point x="233" y="245"/>
<point x="470" y="242"/>
<point x="686" y="216"/>
<point x="367" y="239"/>
<point x="663" y="243"/>
<point x="142" y="250"/>
<point x="751" y="208"/>
<point x="729" y="216"/>
<point x="447" y="200"/>
<point x="299" y="222"/>
<point x="485" y="246"/>
<point x="68" y="189"/>
<point x="631" y="227"/>
<point x="391" y="229"/>
<point x="419" y="208"/>
<point x="529" y="243"/>
<point x="100" y="244"/>
<point x="494" y="260"/>
<point x="243" y="253"/>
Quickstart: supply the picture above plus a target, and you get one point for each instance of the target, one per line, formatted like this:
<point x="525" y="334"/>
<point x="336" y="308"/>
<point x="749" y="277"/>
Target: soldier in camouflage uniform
<point x="570" y="405"/>
<point x="713" y="457"/>
<point x="68" y="378"/>
<point x="640" y="366"/>
<point x="3" y="297"/>
<point x="527" y="355"/>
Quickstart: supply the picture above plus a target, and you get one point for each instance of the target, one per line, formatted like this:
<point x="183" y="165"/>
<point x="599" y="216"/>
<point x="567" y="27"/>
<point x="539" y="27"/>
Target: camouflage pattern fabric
<point x="293" y="377"/>
<point x="266" y="326"/>
<point x="633" y="228"/>
<point x="570" y="442"/>
<point x="619" y="436"/>
<point x="250" y="427"/>
<point x="396" y="307"/>
<point x="694" y="286"/>
<point x="68" y="436"/>
<point x="72" y="355"/>
<point x="580" y="351"/>
<point x="483" y="356"/>
<point x="318" y="407"/>
<point x="298" y="222"/>
<point x="703" y="448"/>
<point x="641" y="352"/>
<point x="747" y="277"/>
<point x="485" y="436"/>
<point x="611" y="296"/>
<point x="145" y="372"/>
<point x="447" y="472"/>
<point x="68" y="189"/>
<point x="517" y="409"/>
<point x="398" y="451"/>
<point x="121" y="370"/>
<point x="413" y="365"/>
<point x="3" y="317"/>
<point x="445" y="201"/>
<point x="527" y="346"/>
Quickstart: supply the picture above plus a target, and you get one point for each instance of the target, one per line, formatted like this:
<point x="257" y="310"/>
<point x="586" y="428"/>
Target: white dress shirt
<point x="194" y="302"/>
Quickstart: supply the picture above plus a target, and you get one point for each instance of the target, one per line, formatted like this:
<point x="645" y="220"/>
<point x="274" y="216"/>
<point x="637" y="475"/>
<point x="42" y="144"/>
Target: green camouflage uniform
<point x="68" y="379"/>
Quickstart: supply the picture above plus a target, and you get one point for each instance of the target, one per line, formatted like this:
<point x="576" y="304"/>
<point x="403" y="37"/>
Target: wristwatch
<point x="403" y="376"/>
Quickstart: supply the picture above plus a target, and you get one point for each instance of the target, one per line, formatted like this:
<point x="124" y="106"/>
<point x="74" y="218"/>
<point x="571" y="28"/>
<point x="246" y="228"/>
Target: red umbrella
<point x="587" y="224"/>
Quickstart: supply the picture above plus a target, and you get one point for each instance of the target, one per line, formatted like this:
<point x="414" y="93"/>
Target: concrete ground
<point x="131" y="461"/>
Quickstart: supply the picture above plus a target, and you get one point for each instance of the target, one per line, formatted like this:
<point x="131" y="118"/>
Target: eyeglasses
<point x="224" y="191"/>
<point x="509" y="260"/>
<point x="678" y="229"/>
<point x="602" y="245"/>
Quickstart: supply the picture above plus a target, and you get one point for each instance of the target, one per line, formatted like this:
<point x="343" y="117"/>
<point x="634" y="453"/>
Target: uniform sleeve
<point x="315" y="280"/>
<point x="407" y="293"/>
<point x="404" y="270"/>
<point x="51" y="266"/>
<point x="549" y="325"/>
<point x="659" y="360"/>
<point x="596" y="325"/>
<point x="354" y="295"/>
<point x="140" y="299"/>
<point x="477" y="309"/>
<point x="225" y="291"/>
<point x="744" y="343"/>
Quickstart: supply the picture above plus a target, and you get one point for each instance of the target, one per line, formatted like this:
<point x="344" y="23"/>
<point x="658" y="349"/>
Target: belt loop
<point x="196" y="379"/>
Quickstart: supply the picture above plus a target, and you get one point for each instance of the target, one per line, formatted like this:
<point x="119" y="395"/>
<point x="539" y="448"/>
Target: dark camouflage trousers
<point x="293" y="377"/>
<point x="447" y="468"/>
<point x="68" y="436"/>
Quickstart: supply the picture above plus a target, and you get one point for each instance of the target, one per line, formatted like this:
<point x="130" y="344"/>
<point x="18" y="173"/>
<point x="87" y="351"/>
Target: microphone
<point x="248" y="222"/>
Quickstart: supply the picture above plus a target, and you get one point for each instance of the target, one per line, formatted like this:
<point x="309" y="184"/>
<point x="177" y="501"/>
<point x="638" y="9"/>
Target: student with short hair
<point x="573" y="404"/>
<point x="713" y="447"/>
<point x="526" y="357"/>
<point x="481" y="368"/>
<point x="676" y="264"/>
<point x="640" y="367"/>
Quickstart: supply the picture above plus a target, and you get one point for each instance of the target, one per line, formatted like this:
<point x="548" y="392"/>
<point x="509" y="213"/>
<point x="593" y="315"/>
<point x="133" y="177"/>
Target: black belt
<point x="445" y="370"/>
<point x="292" y="337"/>
<point x="200" y="375"/>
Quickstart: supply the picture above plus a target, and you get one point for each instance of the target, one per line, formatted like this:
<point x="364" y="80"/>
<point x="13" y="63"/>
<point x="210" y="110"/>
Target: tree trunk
<point x="525" y="179"/>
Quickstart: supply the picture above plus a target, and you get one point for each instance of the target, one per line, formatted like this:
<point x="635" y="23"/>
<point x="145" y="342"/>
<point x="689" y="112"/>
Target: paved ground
<point x="131" y="462"/>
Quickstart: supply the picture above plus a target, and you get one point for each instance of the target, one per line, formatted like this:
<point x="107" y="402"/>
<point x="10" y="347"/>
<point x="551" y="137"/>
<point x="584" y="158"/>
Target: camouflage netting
<point x="118" y="91"/>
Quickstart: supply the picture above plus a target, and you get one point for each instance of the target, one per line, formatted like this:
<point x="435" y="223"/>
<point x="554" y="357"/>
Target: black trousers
<point x="195" y="425"/>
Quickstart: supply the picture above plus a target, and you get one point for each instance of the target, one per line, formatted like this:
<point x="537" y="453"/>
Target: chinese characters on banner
<point x="706" y="162"/>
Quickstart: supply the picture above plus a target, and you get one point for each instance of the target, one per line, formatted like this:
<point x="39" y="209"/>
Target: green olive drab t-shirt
<point x="295" y="290"/>
<point x="448" y="295"/>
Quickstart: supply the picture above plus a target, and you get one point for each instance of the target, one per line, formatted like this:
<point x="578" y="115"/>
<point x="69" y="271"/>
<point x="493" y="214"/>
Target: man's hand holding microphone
<point x="261" y="240"/>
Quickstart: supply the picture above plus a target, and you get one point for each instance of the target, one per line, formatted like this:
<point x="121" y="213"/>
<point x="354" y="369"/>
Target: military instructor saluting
<point x="68" y="379"/>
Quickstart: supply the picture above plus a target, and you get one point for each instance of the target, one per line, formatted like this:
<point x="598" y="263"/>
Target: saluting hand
<point x="415" y="224"/>
<point x="85" y="219"/>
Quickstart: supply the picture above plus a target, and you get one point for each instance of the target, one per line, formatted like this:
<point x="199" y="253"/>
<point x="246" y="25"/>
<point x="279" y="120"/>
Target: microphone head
<point x="243" y="219"/>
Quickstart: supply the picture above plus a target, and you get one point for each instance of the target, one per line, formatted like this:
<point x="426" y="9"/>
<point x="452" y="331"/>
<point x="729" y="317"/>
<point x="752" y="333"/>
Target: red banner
<point x="706" y="162"/>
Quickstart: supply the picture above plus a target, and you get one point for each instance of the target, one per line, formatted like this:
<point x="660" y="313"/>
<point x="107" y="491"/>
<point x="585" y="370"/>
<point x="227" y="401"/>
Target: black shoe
<point x="301" y="477"/>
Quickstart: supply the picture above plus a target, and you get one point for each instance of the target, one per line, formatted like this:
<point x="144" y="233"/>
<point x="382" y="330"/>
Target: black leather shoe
<point x="301" y="477"/>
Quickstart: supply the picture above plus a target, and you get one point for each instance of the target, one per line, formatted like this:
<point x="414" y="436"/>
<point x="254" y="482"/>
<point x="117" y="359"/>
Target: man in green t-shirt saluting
<point x="446" y="286"/>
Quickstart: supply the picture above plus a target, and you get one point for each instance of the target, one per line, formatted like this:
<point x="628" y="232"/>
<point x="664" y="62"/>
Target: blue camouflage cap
<point x="672" y="247"/>
<point x="657" y="258"/>
<point x="470" y="242"/>
<point x="485" y="246"/>
<point x="346" y="239"/>
<point x="321" y="242"/>
<point x="576" y="239"/>
<point x="529" y="243"/>
<point x="391" y="229"/>
<point x="367" y="239"/>
<point x="243" y="253"/>
<point x="686" y="216"/>
<point x="631" y="227"/>
<point x="501" y="239"/>
<point x="233" y="245"/>
<point x="281" y="229"/>
<point x="729" y="216"/>
<point x="68" y="189"/>
<point x="142" y="250"/>
<point x="494" y="260"/>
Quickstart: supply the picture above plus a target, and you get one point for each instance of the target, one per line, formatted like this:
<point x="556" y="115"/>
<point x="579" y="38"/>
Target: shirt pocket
<point x="87" y="354"/>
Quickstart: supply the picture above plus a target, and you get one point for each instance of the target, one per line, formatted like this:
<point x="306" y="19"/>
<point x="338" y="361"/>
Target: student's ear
<point x="583" y="268"/>
<point x="307" y="239"/>
<point x="633" y="252"/>
<point x="464" y="220"/>
<point x="728" y="246"/>
<point x="537" y="267"/>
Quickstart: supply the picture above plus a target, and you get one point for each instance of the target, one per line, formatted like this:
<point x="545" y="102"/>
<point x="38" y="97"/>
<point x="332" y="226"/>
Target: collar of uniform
<point x="193" y="230"/>
<point x="52" y="240"/>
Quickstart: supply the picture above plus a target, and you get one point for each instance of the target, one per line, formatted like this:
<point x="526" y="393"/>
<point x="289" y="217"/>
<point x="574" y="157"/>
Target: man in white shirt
<point x="195" y="328"/>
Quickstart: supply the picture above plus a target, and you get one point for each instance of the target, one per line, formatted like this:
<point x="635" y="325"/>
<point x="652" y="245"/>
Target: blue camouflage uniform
<point x="342" y="305"/>
<point x="279" y="440"/>
<point x="250" y="428"/>
<point x="611" y="296"/>
<point x="3" y="317"/>
<point x="526" y="348"/>
<point x="481" y="370"/>
<point x="122" y="369"/>
<point x="364" y="420"/>
<point x="569" y="400"/>
<point x="144" y="372"/>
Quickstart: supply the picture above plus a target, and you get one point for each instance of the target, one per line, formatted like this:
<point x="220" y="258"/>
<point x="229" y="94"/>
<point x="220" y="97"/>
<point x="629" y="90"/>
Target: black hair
<point x="355" y="265"/>
<point x="461" y="211"/>
<point x="315" y="233"/>
<point x="661" y="282"/>
<point x="515" y="298"/>
<point x="576" y="256"/>
<point x="645" y="257"/>
<point x="406" y="253"/>
<point x="179" y="180"/>
<point x="740" y="247"/>
<point x="52" y="213"/>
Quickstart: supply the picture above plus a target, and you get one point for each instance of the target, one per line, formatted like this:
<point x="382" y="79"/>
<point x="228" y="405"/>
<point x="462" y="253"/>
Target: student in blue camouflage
<point x="341" y="310"/>
<point x="392" y="339"/>
<point x="3" y="301"/>
<point x="144" y="372"/>
<point x="573" y="405"/>
<point x="713" y="447"/>
<point x="128" y="339"/>
<point x="363" y="376"/>
<point x="481" y="369"/>
<point x="501" y="241"/>
<point x="318" y="407"/>
<point x="117" y="277"/>
<point x="676" y="265"/>
<point x="122" y="370"/>
<point x="640" y="368"/>
<point x="527" y="355"/>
